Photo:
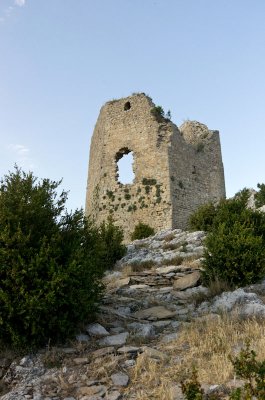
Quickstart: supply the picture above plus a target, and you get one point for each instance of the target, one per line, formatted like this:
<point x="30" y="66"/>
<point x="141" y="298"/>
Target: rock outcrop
<point x="149" y="296"/>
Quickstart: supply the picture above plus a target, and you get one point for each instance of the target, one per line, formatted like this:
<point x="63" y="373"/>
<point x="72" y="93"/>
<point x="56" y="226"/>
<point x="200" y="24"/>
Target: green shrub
<point x="252" y="371"/>
<point x="246" y="367"/>
<point x="202" y="219"/>
<point x="112" y="249"/>
<point x="234" y="247"/>
<point x="234" y="254"/>
<point x="142" y="231"/>
<point x="260" y="196"/>
<point x="208" y="216"/>
<point x="158" y="110"/>
<point x="149" y="181"/>
<point x="50" y="262"/>
<point x="191" y="388"/>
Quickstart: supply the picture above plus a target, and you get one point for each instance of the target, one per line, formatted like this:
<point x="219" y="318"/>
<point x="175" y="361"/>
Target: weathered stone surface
<point x="80" y="360"/>
<point x="169" y="338"/>
<point x="156" y="354"/>
<point x="120" y="379"/>
<point x="187" y="281"/>
<point x="228" y="300"/>
<point x="98" y="390"/>
<point x="96" y="330"/>
<point x="155" y="313"/>
<point x="142" y="330"/>
<point x="172" y="178"/>
<point x="166" y="270"/>
<point x="115" y="395"/>
<point x="85" y="365"/>
<point x="122" y="282"/>
<point x="103" y="352"/>
<point x="137" y="287"/>
<point x="114" y="340"/>
<point x="82" y="338"/>
<point x="128" y="349"/>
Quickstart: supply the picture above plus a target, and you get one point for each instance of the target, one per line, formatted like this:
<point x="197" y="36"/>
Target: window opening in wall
<point x="125" y="160"/>
<point x="127" y="106"/>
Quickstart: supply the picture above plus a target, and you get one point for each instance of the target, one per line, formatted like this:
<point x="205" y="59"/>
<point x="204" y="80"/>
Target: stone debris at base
<point x="148" y="299"/>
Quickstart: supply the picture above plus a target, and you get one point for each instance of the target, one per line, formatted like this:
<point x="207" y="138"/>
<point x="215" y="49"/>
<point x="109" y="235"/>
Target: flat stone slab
<point x="171" y="268"/>
<point x="187" y="281"/>
<point x="155" y="313"/>
<point x="169" y="337"/>
<point x="128" y="350"/>
<point x="120" y="379"/>
<point x="122" y="282"/>
<point x="114" y="340"/>
<point x="96" y="330"/>
<point x="161" y="324"/>
<point x="103" y="352"/>
<point x="156" y="354"/>
<point x="98" y="390"/>
<point x="82" y="338"/>
<point x="137" y="287"/>
<point x="81" y="360"/>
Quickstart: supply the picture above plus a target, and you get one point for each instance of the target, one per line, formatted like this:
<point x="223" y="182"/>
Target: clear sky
<point x="61" y="60"/>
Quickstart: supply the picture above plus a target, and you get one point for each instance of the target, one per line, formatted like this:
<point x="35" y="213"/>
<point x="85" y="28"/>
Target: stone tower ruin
<point x="176" y="169"/>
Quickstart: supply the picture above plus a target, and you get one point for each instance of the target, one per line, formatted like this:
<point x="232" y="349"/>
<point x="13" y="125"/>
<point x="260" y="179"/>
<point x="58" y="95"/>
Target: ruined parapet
<point x="175" y="170"/>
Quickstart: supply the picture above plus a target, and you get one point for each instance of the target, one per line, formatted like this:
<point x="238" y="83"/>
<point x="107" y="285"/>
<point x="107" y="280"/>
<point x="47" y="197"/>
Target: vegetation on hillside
<point x="235" y="244"/>
<point x="51" y="261"/>
<point x="246" y="366"/>
<point x="142" y="231"/>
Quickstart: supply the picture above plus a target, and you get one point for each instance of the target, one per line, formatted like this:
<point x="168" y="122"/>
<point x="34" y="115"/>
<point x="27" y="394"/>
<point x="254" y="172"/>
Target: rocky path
<point x="148" y="297"/>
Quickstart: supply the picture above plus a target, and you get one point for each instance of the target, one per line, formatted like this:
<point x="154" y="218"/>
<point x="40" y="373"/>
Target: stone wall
<point x="176" y="170"/>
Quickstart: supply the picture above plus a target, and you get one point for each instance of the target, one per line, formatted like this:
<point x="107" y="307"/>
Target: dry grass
<point x="149" y="380"/>
<point x="206" y="344"/>
<point x="177" y="260"/>
<point x="171" y="246"/>
<point x="192" y="262"/>
<point x="53" y="358"/>
<point x="139" y="266"/>
<point x="169" y="237"/>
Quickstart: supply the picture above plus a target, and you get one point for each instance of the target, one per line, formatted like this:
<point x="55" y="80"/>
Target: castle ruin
<point x="176" y="169"/>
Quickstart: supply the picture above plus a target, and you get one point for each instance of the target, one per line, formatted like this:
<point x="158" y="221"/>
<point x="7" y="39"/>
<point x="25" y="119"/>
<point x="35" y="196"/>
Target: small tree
<point x="234" y="254"/>
<point x="112" y="249"/>
<point x="50" y="262"/>
<point x="142" y="231"/>
<point x="235" y="246"/>
<point x="260" y="195"/>
<point x="202" y="219"/>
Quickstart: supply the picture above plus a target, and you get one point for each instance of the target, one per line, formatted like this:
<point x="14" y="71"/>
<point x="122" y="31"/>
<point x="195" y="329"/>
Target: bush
<point x="246" y="367"/>
<point x="209" y="216"/>
<point x="202" y="219"/>
<point x="260" y="196"/>
<point x="112" y="249"/>
<point x="50" y="262"/>
<point x="192" y="389"/>
<point x="234" y="254"/>
<point x="142" y="231"/>
<point x="234" y="246"/>
<point x="158" y="113"/>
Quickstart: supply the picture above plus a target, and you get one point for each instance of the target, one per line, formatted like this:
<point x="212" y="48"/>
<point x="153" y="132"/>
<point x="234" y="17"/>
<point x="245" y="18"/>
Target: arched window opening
<point x="127" y="106"/>
<point x="125" y="160"/>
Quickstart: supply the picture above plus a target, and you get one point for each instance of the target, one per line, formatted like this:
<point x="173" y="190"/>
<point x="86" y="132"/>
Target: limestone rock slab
<point x="187" y="281"/>
<point x="114" y="340"/>
<point x="96" y="330"/>
<point x="120" y="379"/>
<point x="154" y="313"/>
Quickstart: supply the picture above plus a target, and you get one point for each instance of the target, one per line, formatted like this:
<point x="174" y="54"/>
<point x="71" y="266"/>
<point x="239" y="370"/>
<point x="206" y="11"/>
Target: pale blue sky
<point x="61" y="60"/>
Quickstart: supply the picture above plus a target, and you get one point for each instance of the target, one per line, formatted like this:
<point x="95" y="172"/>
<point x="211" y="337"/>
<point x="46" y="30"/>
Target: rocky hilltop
<point x="138" y="347"/>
